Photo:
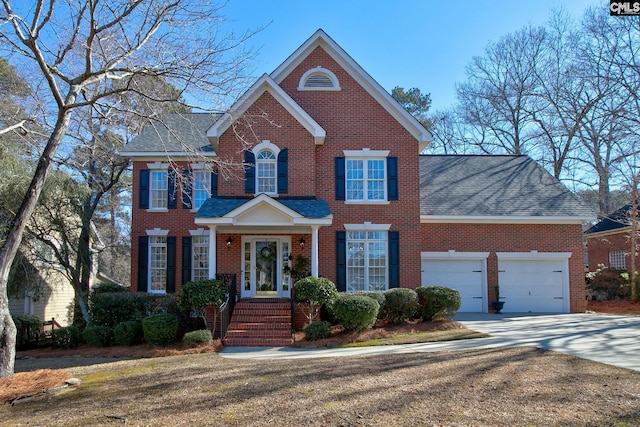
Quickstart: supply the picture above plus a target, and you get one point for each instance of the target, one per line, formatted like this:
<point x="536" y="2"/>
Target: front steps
<point x="260" y="322"/>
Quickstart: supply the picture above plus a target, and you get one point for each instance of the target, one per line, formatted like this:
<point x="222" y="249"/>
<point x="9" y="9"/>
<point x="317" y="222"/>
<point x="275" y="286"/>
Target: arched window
<point x="266" y="172"/>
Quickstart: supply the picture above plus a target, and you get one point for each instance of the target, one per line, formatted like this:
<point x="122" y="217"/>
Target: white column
<point x="314" y="251"/>
<point x="213" y="247"/>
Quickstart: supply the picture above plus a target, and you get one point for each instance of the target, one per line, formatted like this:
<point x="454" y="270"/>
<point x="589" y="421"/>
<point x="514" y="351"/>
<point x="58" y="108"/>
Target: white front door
<point x="266" y="266"/>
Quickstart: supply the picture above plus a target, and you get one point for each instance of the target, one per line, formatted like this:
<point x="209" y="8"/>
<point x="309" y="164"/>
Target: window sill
<point x="367" y="202"/>
<point x="158" y="210"/>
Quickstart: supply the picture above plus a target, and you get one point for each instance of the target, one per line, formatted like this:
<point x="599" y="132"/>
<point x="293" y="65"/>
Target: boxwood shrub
<point x="438" y="301"/>
<point x="128" y="332"/>
<point x="28" y="330"/>
<point x="67" y="337"/>
<point x="378" y="296"/>
<point x="111" y="308"/>
<point x="401" y="304"/>
<point x="160" y="329"/>
<point x="317" y="331"/>
<point x="356" y="312"/>
<point x="98" y="336"/>
<point x="200" y="336"/>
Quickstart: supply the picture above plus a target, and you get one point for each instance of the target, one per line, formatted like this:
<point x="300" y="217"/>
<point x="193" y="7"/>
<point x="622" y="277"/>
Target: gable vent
<point x="318" y="79"/>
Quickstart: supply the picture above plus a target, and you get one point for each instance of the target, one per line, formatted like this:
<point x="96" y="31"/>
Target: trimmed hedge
<point x="128" y="332"/>
<point x="98" y="336"/>
<point x="111" y="308"/>
<point x="194" y="338"/>
<point x="160" y="329"/>
<point x="438" y="301"/>
<point x="378" y="296"/>
<point x="356" y="312"/>
<point x="28" y="330"/>
<point x="315" y="291"/>
<point x="67" y="337"/>
<point x="401" y="304"/>
<point x="317" y="331"/>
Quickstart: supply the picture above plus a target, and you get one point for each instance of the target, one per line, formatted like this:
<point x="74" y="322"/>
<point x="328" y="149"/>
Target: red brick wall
<point x="512" y="238"/>
<point x="598" y="249"/>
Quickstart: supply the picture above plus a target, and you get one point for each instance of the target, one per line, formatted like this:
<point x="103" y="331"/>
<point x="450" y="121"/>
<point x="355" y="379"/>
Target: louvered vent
<point x="318" y="81"/>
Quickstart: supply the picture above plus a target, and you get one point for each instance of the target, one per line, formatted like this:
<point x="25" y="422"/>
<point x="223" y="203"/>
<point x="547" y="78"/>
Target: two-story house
<point x="317" y="159"/>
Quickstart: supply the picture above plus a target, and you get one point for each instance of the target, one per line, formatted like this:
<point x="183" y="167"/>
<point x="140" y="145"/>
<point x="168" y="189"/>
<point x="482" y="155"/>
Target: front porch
<point x="258" y="322"/>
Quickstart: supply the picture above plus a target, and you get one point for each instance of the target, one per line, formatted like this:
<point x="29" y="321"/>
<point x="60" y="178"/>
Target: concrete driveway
<point x="614" y="340"/>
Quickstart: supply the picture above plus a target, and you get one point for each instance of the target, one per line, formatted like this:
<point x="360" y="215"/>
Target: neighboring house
<point x="332" y="171"/>
<point x="609" y="241"/>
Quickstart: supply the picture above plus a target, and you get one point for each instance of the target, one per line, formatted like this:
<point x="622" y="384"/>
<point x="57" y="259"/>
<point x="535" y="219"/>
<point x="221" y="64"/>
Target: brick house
<point x="609" y="241"/>
<point x="332" y="172"/>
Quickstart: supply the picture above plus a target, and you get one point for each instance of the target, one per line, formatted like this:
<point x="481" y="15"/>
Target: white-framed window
<point x="158" y="189"/>
<point x="365" y="180"/>
<point x="200" y="254"/>
<point x="367" y="260"/>
<point x="617" y="260"/>
<point x="201" y="187"/>
<point x="266" y="172"/>
<point x="157" y="264"/>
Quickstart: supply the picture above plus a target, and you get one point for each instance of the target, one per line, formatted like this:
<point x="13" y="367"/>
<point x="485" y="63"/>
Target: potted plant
<point x="497" y="304"/>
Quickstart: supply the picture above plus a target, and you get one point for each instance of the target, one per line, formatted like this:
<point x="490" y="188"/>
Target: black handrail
<point x="226" y="309"/>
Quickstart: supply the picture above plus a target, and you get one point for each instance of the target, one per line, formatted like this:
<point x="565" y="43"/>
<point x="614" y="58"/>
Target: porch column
<point x="314" y="251"/>
<point x="212" y="252"/>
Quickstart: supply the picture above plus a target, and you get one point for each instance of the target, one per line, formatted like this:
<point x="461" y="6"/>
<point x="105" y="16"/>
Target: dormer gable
<point x="265" y="84"/>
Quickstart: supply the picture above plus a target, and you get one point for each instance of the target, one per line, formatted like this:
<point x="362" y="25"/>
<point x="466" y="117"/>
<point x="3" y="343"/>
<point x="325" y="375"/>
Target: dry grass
<point x="515" y="386"/>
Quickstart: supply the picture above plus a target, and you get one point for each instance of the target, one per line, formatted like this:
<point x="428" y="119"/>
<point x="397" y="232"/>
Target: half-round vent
<point x="319" y="79"/>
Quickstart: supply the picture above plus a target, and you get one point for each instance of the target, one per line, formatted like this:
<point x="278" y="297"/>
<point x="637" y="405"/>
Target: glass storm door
<point x="266" y="267"/>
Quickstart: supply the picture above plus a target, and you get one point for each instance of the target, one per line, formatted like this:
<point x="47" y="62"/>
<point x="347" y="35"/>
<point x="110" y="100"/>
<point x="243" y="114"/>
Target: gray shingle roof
<point x="308" y="208"/>
<point x="477" y="185"/>
<point x="174" y="133"/>
<point x="614" y="221"/>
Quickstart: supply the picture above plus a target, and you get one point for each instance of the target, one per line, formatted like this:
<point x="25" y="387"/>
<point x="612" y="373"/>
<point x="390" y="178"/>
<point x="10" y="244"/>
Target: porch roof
<point x="308" y="208"/>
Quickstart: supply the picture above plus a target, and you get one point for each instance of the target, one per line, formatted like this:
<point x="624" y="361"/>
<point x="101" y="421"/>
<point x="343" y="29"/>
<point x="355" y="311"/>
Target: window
<point x="200" y="262"/>
<point x="365" y="180"/>
<point x="201" y="187"/>
<point x="157" y="264"/>
<point x="266" y="172"/>
<point x="367" y="261"/>
<point x="617" y="260"/>
<point x="159" y="187"/>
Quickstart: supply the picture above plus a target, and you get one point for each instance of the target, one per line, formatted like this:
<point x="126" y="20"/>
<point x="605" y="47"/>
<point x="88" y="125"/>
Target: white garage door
<point x="536" y="286"/>
<point x="465" y="276"/>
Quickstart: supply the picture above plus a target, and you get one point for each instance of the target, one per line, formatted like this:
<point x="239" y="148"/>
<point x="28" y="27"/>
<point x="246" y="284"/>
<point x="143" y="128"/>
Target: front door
<point x="266" y="267"/>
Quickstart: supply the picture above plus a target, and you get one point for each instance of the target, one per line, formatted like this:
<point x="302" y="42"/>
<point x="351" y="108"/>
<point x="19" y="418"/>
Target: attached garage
<point x="536" y="282"/>
<point x="465" y="272"/>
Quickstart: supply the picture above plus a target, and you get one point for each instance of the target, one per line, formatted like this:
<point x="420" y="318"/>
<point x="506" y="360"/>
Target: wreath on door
<point x="267" y="254"/>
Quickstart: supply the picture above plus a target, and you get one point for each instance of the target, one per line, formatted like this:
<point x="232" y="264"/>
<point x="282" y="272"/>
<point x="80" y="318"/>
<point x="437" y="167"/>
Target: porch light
<point x="302" y="243"/>
<point x="229" y="240"/>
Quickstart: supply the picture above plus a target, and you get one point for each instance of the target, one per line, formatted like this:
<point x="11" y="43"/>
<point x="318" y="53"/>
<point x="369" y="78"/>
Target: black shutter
<point x="171" y="264"/>
<point x="143" y="260"/>
<point x="187" y="189"/>
<point x="172" y="200"/>
<point x="392" y="178"/>
<point x="283" y="171"/>
<point x="214" y="184"/>
<point x="394" y="259"/>
<point x="144" y="189"/>
<point x="341" y="261"/>
<point x="340" y="178"/>
<point x="186" y="259"/>
<point x="249" y="172"/>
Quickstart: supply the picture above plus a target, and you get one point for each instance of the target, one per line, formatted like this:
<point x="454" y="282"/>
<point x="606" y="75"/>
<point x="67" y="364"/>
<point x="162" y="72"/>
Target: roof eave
<point x="502" y="219"/>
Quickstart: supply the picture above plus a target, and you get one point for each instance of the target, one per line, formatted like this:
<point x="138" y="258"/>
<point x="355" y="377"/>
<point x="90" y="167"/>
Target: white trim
<point x="199" y="166"/>
<point x="321" y="39"/>
<point x="158" y="166"/>
<point x="367" y="226"/>
<point x="199" y="232"/>
<point x="533" y="255"/>
<point x="319" y="70"/>
<point x="174" y="155"/>
<point x="621" y="230"/>
<point x="266" y="84"/>
<point x="499" y="219"/>
<point x="451" y="254"/>
<point x="266" y="145"/>
<point x="157" y="232"/>
<point x="366" y="152"/>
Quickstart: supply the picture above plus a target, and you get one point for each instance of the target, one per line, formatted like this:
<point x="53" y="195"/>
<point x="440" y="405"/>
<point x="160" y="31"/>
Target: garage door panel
<point x="465" y="276"/>
<point x="532" y="285"/>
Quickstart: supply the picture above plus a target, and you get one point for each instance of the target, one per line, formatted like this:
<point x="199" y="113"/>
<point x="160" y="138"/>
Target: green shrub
<point x="160" y="329"/>
<point x="438" y="301"/>
<point x="317" y="331"/>
<point x="194" y="338"/>
<point x="356" y="312"/>
<point x="102" y="288"/>
<point x="128" y="332"/>
<point x="196" y="296"/>
<point x="67" y="337"/>
<point x="378" y="296"/>
<point x="98" y="336"/>
<point x="111" y="308"/>
<point x="28" y="330"/>
<point x="315" y="291"/>
<point x="400" y="305"/>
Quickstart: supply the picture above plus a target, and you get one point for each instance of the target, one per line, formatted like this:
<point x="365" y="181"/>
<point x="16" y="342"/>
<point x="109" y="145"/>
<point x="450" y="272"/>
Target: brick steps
<point x="260" y="322"/>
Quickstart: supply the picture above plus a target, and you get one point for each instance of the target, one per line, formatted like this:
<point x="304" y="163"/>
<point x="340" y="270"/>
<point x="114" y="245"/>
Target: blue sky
<point x="418" y="43"/>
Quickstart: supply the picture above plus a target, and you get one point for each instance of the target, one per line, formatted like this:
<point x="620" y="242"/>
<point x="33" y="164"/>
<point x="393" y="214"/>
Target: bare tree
<point x="82" y="53"/>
